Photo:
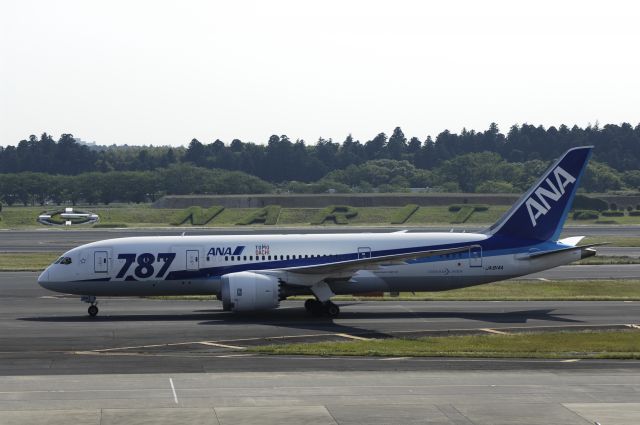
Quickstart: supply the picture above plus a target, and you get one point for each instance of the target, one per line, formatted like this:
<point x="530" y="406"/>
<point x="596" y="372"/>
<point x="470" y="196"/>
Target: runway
<point x="41" y="333"/>
<point x="167" y="362"/>
<point x="60" y="240"/>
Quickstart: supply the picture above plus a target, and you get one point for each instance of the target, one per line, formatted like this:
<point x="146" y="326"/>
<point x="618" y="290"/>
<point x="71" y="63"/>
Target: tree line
<point x="485" y="161"/>
<point x="29" y="188"/>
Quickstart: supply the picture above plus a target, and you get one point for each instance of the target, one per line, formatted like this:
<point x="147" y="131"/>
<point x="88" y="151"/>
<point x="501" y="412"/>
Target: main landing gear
<point x="93" y="308"/>
<point x="319" y="308"/>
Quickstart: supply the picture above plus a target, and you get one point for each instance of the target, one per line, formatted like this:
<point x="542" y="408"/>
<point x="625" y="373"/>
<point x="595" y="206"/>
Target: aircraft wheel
<point x="308" y="304"/>
<point x="317" y="308"/>
<point x="332" y="309"/>
<point x="93" y="310"/>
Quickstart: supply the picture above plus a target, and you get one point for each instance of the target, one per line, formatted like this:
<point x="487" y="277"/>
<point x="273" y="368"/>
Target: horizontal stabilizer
<point x="539" y="254"/>
<point x="572" y="240"/>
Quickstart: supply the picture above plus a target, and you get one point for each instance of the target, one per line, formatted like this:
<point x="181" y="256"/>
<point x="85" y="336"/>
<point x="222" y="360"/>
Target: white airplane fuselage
<point x="198" y="262"/>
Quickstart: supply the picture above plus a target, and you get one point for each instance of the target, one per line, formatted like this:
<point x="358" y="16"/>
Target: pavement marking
<point x="396" y="358"/>
<point x="494" y="331"/>
<point x="359" y="338"/>
<point x="175" y="396"/>
<point x="569" y="361"/>
<point x="215" y="344"/>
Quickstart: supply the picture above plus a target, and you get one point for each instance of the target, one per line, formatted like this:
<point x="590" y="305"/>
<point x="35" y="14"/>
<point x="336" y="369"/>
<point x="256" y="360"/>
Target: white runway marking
<point x="359" y="338"/>
<point x="173" y="389"/>
<point x="215" y="344"/>
<point x="494" y="331"/>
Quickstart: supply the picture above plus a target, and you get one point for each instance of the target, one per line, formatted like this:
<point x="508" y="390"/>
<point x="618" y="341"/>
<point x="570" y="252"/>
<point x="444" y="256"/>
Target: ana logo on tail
<point x="539" y="207"/>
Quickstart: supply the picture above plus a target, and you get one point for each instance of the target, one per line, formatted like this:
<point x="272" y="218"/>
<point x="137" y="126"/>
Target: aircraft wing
<point x="342" y="268"/>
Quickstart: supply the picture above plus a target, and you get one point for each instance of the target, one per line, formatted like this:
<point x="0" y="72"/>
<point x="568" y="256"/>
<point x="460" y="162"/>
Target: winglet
<point x="540" y="213"/>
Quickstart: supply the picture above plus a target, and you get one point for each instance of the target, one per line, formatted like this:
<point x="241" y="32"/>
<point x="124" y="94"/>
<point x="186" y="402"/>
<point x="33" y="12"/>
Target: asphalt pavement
<point x="43" y="333"/>
<point x="166" y="362"/>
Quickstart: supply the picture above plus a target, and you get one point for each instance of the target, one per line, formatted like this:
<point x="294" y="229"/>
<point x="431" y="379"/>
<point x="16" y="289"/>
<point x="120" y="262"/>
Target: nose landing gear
<point x="93" y="308"/>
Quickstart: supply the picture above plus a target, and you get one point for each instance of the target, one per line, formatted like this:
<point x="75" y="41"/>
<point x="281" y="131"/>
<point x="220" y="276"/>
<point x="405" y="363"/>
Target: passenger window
<point x="226" y="258"/>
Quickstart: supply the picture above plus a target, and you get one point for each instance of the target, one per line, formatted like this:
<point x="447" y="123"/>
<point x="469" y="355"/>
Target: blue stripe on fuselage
<point x="493" y="246"/>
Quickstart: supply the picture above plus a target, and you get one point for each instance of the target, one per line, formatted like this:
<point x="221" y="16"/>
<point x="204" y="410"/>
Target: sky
<point x="164" y="72"/>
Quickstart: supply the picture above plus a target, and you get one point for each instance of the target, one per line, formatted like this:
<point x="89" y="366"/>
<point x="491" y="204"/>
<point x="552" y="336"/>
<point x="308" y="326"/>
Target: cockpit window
<point x="63" y="260"/>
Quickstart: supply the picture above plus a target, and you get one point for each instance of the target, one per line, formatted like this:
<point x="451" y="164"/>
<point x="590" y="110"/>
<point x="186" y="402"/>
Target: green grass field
<point x="26" y="261"/>
<point x="548" y="345"/>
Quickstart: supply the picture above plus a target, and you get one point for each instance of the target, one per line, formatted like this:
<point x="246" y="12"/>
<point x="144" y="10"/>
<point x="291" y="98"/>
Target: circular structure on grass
<point x="67" y="217"/>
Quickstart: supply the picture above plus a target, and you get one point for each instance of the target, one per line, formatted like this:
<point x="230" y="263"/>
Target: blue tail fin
<point x="540" y="213"/>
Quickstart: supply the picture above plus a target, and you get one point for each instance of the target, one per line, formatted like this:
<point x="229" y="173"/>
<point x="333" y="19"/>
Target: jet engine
<point x="248" y="291"/>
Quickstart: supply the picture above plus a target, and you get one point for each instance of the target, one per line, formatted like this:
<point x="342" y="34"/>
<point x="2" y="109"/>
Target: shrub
<point x="613" y="206"/>
<point x="629" y="208"/>
<point x="634" y="213"/>
<point x="339" y="214"/>
<point x="403" y="214"/>
<point x="267" y="215"/>
<point x="585" y="215"/>
<point x="582" y="202"/>
<point x="613" y="213"/>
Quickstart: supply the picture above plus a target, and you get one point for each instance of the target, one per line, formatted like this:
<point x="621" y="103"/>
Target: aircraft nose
<point x="43" y="278"/>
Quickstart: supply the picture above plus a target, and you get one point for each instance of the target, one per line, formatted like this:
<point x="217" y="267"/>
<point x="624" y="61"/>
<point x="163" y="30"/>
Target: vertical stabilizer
<point x="540" y="213"/>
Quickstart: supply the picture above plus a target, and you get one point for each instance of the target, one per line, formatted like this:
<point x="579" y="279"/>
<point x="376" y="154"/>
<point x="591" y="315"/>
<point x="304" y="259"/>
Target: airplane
<point x="256" y="272"/>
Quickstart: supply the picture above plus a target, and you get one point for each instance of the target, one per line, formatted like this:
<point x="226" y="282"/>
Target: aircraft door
<point x="193" y="259"/>
<point x="475" y="256"/>
<point x="364" y="252"/>
<point x="101" y="262"/>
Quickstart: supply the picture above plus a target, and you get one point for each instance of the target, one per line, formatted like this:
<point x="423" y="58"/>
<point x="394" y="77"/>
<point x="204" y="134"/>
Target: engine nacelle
<point x="247" y="291"/>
